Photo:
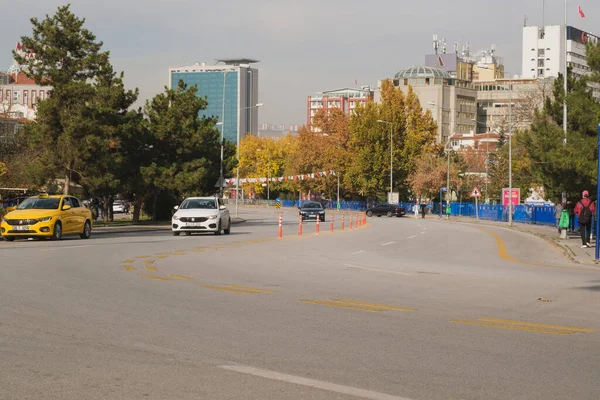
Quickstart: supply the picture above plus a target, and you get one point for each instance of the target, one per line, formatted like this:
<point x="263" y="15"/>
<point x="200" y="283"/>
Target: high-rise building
<point x="544" y="50"/>
<point x="231" y="89"/>
<point x="345" y="99"/>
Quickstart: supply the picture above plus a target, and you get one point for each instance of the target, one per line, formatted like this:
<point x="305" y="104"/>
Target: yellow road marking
<point x="161" y="257"/>
<point x="514" y="327"/>
<point x="226" y="289"/>
<point x="503" y="254"/>
<point x="342" y="305"/>
<point x="150" y="268"/>
<point x="533" y="324"/>
<point x="183" y="278"/>
<point x="386" y="306"/>
<point x="129" y="267"/>
<point x="142" y="257"/>
<point x="128" y="261"/>
<point x="158" y="278"/>
<point x="252" y="289"/>
<point x="148" y="261"/>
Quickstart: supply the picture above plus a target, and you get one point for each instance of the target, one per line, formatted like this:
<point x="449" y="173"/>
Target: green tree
<point x="68" y="57"/>
<point x="184" y="149"/>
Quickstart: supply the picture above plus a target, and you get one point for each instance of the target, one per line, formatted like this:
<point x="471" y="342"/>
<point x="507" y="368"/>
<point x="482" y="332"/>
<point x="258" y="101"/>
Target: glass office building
<point x="237" y="100"/>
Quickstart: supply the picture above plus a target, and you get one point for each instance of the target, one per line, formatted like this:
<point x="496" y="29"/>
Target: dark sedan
<point x="386" y="209"/>
<point x="312" y="209"/>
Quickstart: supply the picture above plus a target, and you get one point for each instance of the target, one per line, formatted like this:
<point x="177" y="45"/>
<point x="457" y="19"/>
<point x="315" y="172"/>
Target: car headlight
<point x="213" y="217"/>
<point x="322" y="212"/>
<point x="175" y="217"/>
<point x="45" y="219"/>
<point x="302" y="212"/>
<point x="4" y="219"/>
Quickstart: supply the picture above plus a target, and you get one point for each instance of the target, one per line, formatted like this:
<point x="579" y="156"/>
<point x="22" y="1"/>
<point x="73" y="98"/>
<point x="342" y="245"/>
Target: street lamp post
<point x="237" y="174"/>
<point x="448" y="192"/>
<point x="391" y="124"/>
<point x="222" y="123"/>
<point x="487" y="159"/>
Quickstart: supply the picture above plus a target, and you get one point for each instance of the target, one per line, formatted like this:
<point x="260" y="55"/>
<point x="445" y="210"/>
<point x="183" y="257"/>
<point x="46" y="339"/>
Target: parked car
<point x="201" y="214"/>
<point x="389" y="210"/>
<point x="47" y="216"/>
<point x="119" y="206"/>
<point x="312" y="209"/>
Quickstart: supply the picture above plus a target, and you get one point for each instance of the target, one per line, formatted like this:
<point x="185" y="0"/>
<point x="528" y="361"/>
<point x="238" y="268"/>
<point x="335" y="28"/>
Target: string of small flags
<point x="293" y="178"/>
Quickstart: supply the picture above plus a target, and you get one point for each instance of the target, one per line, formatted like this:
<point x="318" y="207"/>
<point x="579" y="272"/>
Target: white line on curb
<point x="388" y="243"/>
<point x="377" y="270"/>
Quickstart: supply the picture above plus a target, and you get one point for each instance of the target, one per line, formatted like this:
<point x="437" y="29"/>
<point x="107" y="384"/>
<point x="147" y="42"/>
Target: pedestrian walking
<point x="448" y="210"/>
<point x="558" y="213"/>
<point x="416" y="210"/>
<point x="571" y="210"/>
<point x="585" y="210"/>
<point x="423" y="209"/>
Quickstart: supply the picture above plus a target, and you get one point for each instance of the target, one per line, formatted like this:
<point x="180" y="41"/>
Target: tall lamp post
<point x="448" y="192"/>
<point x="237" y="174"/>
<point x="391" y="124"/>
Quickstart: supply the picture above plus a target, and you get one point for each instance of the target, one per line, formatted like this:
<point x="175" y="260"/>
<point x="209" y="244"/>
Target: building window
<point x="8" y="96"/>
<point x="15" y="97"/>
<point x="540" y="63"/>
<point x="33" y="97"/>
<point x="25" y="97"/>
<point x="41" y="95"/>
<point x="540" y="72"/>
<point x="541" y="52"/>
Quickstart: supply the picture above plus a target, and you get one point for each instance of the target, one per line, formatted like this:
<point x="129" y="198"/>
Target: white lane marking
<point x="68" y="247"/>
<point x="323" y="385"/>
<point x="422" y="233"/>
<point x="388" y="243"/>
<point x="377" y="270"/>
<point x="357" y="252"/>
<point x="412" y="237"/>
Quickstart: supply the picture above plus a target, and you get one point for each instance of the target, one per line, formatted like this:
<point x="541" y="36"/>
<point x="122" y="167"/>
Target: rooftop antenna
<point x="436" y="43"/>
<point x="543" y="13"/>
<point x="456" y="47"/>
<point x="444" y="46"/>
<point x="525" y="20"/>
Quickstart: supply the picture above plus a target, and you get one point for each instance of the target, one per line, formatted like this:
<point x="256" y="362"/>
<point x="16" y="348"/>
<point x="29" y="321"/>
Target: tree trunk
<point x="154" y="202"/>
<point x="105" y="206"/>
<point x="137" y="208"/>
<point x="67" y="180"/>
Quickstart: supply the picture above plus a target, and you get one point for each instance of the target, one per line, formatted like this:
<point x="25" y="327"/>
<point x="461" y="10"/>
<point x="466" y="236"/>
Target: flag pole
<point x="565" y="82"/>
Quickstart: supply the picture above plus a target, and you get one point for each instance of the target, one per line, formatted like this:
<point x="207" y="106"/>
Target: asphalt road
<point x="399" y="309"/>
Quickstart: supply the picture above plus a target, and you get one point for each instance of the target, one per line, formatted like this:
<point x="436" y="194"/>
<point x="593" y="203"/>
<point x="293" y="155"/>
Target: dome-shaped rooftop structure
<point x="422" y="72"/>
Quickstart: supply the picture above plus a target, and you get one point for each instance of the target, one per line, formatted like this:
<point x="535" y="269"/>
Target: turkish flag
<point x="580" y="12"/>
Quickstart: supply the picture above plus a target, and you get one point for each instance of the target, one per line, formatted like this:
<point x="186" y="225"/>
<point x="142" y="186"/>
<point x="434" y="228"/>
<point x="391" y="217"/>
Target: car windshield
<point x="198" y="203"/>
<point x="312" y="205"/>
<point x="35" y="203"/>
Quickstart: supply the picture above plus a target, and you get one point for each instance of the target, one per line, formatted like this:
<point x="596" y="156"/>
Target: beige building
<point x="346" y="99"/>
<point x="495" y="96"/>
<point x="452" y="101"/>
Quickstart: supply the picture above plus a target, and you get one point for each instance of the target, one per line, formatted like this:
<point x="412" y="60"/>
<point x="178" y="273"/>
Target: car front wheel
<point x="228" y="230"/>
<point x="369" y="213"/>
<point x="218" y="231"/>
<point x="87" y="230"/>
<point x="175" y="233"/>
<point x="390" y="214"/>
<point x="57" y="233"/>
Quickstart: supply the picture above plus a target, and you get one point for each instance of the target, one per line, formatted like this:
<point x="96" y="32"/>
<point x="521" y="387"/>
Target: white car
<point x="201" y="214"/>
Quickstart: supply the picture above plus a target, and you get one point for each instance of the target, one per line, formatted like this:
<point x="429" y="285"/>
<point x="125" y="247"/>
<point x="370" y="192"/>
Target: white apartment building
<point x="544" y="50"/>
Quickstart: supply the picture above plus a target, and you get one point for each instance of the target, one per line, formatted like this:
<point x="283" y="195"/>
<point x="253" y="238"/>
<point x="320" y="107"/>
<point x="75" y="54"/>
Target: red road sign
<point x="476" y="193"/>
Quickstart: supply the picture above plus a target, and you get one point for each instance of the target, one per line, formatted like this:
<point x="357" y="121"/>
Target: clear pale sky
<point x="303" y="46"/>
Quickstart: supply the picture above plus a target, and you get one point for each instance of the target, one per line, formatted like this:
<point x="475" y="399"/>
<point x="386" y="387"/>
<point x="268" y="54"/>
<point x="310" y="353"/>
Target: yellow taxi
<point x="47" y="216"/>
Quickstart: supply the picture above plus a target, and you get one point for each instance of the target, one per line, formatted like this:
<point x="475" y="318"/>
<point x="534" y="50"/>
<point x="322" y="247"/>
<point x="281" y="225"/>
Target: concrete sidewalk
<point x="571" y="246"/>
<point x="159" y="226"/>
